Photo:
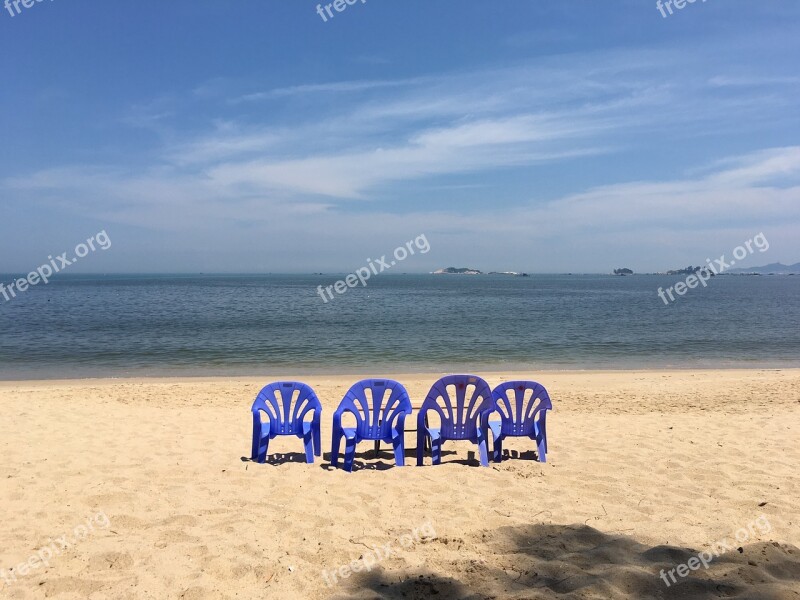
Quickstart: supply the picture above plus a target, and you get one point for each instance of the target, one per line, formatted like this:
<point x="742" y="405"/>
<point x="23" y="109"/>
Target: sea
<point x="87" y="326"/>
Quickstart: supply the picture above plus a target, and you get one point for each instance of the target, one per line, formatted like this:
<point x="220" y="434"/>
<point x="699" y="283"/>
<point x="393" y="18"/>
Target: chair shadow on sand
<point x="517" y="455"/>
<point x="279" y="458"/>
<point x="366" y="460"/>
<point x="384" y="459"/>
<point x="557" y="561"/>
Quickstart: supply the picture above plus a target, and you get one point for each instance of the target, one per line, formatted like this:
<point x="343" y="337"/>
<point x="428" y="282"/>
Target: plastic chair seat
<point x="435" y="434"/>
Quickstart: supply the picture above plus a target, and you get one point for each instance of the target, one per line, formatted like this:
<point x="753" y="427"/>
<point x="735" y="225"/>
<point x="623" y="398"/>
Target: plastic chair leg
<point x="542" y="450"/>
<point x="483" y="450"/>
<point x="263" y="449"/>
<point x="497" y="440"/>
<point x="540" y="436"/>
<point x="308" y="442"/>
<point x="541" y="431"/>
<point x="498" y="449"/>
<point x="399" y="450"/>
<point x="349" y="453"/>
<point x="436" y="450"/>
<point x="421" y="439"/>
<point x="337" y="439"/>
<point x="317" y="439"/>
<point x="260" y="442"/>
<point x="427" y="441"/>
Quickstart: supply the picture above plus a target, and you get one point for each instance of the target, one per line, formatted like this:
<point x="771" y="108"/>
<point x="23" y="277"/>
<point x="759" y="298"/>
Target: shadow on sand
<point x="556" y="561"/>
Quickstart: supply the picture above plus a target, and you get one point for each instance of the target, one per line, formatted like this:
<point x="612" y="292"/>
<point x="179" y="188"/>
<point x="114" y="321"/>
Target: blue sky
<point x="540" y="136"/>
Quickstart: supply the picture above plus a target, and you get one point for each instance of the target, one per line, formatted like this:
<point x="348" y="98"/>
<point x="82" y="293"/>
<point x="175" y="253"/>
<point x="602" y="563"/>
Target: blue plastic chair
<point x="521" y="416"/>
<point x="380" y="416"/>
<point x="286" y="413"/>
<point x="463" y="417"/>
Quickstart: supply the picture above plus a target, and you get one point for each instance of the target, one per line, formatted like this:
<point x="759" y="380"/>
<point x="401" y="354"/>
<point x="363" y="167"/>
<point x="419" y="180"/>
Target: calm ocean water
<point x="89" y="326"/>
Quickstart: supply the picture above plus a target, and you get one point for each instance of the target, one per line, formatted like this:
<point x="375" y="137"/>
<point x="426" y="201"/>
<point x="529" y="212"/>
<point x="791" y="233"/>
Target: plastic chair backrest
<point x="459" y="400"/>
<point x="376" y="403"/>
<point x="286" y="403"/>
<point x="520" y="404"/>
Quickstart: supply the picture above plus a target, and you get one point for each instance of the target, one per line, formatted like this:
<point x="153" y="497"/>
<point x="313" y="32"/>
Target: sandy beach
<point x="150" y="482"/>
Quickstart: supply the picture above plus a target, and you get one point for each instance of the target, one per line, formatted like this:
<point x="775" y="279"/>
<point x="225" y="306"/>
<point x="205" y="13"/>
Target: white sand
<point x="645" y="469"/>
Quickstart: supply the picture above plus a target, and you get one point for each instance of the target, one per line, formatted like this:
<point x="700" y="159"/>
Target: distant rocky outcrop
<point x="468" y="271"/>
<point x="690" y="270"/>
<point x="623" y="272"/>
<point x="457" y="271"/>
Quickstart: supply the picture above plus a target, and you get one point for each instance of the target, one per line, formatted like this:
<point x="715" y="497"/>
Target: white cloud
<point x="242" y="179"/>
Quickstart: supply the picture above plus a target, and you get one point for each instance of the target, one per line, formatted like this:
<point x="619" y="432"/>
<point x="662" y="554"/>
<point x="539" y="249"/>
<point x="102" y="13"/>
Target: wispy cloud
<point x="332" y="165"/>
<point x="756" y="187"/>
<point x="336" y="87"/>
<point x="752" y="81"/>
<point x="476" y="145"/>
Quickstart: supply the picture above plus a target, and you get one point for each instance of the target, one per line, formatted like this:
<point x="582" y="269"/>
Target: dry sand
<point x="645" y="470"/>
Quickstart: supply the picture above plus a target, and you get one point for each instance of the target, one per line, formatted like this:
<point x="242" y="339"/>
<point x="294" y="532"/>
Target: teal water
<point x="82" y="326"/>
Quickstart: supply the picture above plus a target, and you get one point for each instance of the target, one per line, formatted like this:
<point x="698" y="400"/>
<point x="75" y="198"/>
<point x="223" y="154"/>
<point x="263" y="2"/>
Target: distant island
<point x="771" y="269"/>
<point x="457" y="271"/>
<point x="468" y="271"/>
<point x="690" y="270"/>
